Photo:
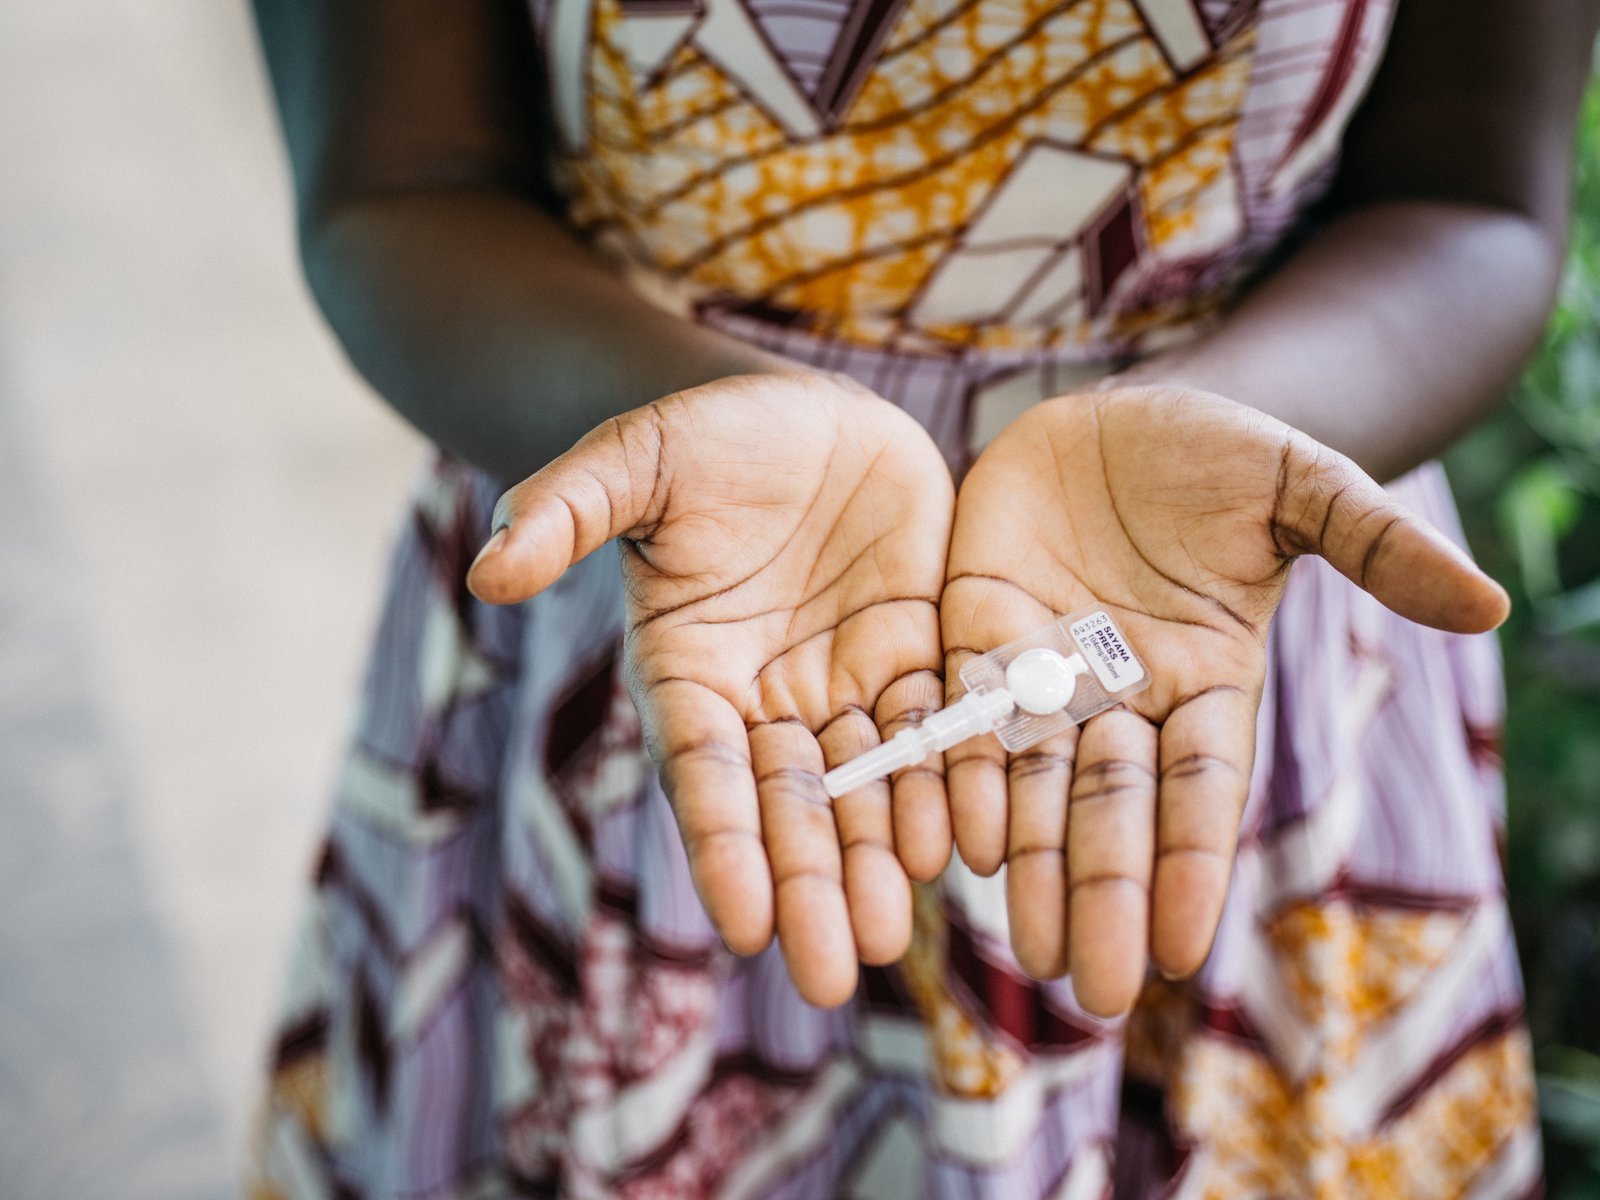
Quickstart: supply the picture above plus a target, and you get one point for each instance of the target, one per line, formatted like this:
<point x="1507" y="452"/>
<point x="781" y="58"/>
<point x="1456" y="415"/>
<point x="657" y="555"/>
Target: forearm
<point x="1388" y="334"/>
<point x="485" y="324"/>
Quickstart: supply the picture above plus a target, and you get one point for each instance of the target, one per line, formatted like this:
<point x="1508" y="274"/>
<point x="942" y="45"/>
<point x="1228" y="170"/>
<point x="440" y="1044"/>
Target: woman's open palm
<point x="1179" y="512"/>
<point x="783" y="550"/>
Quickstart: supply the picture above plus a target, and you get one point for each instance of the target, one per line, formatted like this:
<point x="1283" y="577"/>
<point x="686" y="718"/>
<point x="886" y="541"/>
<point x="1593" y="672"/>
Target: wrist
<point x="1177" y="367"/>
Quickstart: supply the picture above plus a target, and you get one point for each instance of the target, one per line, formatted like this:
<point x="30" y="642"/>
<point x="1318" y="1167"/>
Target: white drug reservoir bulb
<point x="1041" y="681"/>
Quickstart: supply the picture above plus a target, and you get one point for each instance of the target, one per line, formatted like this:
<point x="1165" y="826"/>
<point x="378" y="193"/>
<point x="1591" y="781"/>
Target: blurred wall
<point x="195" y="501"/>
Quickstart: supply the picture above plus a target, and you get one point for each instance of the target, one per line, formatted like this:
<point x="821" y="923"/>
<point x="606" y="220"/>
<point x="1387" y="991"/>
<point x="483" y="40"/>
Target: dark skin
<point x="427" y="230"/>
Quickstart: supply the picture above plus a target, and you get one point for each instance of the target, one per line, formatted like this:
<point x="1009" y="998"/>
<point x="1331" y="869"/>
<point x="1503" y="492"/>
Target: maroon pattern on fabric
<point x="505" y="983"/>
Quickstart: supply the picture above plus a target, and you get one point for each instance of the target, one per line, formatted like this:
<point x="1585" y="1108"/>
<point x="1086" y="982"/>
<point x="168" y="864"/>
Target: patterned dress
<point x="506" y="986"/>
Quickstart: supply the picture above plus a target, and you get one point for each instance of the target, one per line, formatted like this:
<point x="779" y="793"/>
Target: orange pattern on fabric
<point x="1348" y="968"/>
<point x="967" y="1060"/>
<point x="1265" y="1138"/>
<point x="297" y="1099"/>
<point x="688" y="177"/>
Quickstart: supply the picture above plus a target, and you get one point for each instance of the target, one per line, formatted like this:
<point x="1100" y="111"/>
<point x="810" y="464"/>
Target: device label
<point x="1103" y="645"/>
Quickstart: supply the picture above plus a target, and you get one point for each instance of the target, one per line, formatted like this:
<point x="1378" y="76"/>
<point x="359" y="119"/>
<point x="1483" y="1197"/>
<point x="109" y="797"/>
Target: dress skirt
<point x="505" y="985"/>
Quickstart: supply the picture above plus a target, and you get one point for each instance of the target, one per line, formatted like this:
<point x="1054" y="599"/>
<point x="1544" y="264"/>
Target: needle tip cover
<point x="1023" y="692"/>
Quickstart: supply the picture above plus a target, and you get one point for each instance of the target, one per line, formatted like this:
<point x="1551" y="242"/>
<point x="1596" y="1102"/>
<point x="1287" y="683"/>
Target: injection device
<point x="1022" y="692"/>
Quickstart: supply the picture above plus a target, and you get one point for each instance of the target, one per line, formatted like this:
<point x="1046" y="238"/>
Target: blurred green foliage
<point x="1529" y="486"/>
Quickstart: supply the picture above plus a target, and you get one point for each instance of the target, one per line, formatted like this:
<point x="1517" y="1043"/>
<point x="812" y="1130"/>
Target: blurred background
<point x="1528" y="482"/>
<point x="196" y="498"/>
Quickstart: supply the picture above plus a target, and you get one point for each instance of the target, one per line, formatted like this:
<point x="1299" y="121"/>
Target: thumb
<point x="1326" y="505"/>
<point x="604" y="487"/>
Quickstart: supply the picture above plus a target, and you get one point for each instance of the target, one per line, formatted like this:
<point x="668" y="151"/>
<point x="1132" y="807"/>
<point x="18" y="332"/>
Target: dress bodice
<point x="1071" y="177"/>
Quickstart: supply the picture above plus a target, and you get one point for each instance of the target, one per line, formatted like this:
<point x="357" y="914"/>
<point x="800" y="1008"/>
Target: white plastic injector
<point x="1038" y="681"/>
<point x="1022" y="692"/>
<point x="975" y="713"/>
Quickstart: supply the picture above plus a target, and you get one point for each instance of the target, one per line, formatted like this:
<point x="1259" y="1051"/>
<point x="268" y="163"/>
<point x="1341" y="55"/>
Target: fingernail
<point x="490" y="548"/>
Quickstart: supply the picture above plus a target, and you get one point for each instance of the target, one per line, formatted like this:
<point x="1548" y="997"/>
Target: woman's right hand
<point x="783" y="550"/>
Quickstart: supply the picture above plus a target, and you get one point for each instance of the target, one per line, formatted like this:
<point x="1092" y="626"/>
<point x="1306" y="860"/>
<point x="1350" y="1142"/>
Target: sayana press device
<point x="1021" y="692"/>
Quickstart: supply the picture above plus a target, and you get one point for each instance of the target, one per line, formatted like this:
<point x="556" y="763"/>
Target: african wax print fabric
<point x="505" y="984"/>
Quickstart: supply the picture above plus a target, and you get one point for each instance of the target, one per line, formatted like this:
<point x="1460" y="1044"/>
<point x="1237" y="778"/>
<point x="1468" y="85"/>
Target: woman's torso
<point x="1005" y="179"/>
<point x="507" y="984"/>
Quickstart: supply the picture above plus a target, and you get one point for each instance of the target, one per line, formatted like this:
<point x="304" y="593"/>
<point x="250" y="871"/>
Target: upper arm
<point x="380" y="96"/>
<point x="1474" y="103"/>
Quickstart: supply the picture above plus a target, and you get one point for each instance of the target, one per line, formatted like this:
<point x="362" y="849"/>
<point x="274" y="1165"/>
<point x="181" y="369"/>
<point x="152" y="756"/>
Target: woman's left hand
<point x="1179" y="512"/>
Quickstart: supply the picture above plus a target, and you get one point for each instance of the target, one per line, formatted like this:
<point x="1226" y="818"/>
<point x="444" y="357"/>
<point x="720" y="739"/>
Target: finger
<point x="604" y="487"/>
<point x="704" y="753"/>
<point x="802" y="841"/>
<point x="975" y="777"/>
<point x="1327" y="505"/>
<point x="887" y="657"/>
<point x="1036" y="854"/>
<point x="922" y="837"/>
<point x="876" y="889"/>
<point x="1207" y="750"/>
<point x="1110" y="851"/>
<point x="978" y="613"/>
